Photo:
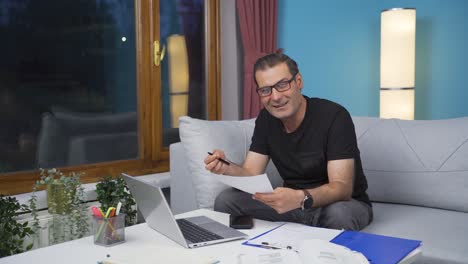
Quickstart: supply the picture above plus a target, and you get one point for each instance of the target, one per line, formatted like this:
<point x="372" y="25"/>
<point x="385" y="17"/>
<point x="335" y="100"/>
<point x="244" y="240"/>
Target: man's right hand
<point x="213" y="164"/>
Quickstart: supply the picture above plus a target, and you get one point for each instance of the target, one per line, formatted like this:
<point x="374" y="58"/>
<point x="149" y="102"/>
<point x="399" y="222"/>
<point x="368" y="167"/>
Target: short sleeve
<point x="341" y="143"/>
<point x="260" y="136"/>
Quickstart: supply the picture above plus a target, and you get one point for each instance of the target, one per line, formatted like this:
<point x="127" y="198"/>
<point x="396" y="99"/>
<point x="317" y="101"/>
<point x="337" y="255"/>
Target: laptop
<point x="189" y="232"/>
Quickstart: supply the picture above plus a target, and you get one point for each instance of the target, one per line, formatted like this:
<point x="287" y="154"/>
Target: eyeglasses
<point x="280" y="86"/>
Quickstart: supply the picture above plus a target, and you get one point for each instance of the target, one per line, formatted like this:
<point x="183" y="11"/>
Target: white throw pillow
<point x="199" y="137"/>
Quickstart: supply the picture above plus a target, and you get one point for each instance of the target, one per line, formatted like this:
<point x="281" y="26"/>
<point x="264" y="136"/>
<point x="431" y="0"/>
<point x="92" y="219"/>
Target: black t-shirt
<point x="326" y="133"/>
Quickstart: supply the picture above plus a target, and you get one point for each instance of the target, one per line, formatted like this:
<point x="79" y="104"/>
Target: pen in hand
<point x="220" y="159"/>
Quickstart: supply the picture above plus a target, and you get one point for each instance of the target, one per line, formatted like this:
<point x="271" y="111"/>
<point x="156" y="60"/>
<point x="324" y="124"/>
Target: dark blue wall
<point x="337" y="46"/>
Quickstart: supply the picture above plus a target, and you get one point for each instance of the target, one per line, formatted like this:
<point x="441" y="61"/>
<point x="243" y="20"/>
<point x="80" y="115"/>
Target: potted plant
<point x="12" y="233"/>
<point x="66" y="204"/>
<point x="110" y="191"/>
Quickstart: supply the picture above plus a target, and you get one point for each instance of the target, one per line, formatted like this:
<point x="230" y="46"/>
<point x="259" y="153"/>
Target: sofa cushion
<point x="418" y="162"/>
<point x="442" y="232"/>
<point x="200" y="136"/>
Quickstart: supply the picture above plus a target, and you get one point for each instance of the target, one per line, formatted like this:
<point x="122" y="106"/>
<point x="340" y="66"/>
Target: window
<point x="79" y="88"/>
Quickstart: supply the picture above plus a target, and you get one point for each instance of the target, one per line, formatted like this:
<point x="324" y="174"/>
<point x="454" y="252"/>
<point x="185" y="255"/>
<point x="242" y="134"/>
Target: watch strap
<point x="307" y="199"/>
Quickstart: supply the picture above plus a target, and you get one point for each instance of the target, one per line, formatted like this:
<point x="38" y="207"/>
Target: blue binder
<point x="378" y="249"/>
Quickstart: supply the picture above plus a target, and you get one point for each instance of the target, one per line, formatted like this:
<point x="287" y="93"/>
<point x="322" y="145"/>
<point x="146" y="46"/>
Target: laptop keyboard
<point x="194" y="233"/>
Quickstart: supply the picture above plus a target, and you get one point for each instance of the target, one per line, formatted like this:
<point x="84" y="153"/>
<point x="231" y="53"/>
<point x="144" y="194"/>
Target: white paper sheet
<point x="283" y="256"/>
<point x="249" y="184"/>
<point x="324" y="252"/>
<point x="290" y="235"/>
<point x="273" y="257"/>
<point x="314" y="251"/>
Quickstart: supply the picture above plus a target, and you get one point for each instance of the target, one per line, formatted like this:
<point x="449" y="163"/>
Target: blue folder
<point x="378" y="249"/>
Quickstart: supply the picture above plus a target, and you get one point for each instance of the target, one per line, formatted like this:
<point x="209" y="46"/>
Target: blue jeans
<point x="349" y="215"/>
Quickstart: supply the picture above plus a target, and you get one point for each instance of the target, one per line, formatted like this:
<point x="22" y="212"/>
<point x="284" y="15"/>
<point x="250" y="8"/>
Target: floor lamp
<point x="397" y="63"/>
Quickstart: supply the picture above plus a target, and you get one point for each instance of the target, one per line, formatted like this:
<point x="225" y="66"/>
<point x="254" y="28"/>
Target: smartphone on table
<point x="241" y="221"/>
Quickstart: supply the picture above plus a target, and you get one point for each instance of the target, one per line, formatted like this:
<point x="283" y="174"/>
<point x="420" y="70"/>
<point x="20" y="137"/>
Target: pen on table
<point x="266" y="245"/>
<point x="109" y="262"/>
<point x="220" y="159"/>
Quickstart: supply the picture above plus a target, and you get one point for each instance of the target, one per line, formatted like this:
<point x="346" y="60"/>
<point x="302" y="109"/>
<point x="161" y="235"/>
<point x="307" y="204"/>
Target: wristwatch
<point x="308" y="200"/>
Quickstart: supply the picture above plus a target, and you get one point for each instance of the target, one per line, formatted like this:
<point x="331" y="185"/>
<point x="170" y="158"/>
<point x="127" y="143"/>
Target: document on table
<point x="310" y="251"/>
<point x="249" y="184"/>
<point x="263" y="257"/>
<point x="290" y="235"/>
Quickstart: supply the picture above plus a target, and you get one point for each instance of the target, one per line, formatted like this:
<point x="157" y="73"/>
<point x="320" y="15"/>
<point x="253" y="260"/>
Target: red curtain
<point x="258" y="25"/>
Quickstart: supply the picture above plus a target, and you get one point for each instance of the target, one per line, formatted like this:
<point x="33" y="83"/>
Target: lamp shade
<point x="397" y="63"/>
<point x="178" y="77"/>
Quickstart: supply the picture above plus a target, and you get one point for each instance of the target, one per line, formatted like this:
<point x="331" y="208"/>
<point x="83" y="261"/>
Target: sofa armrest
<point x="183" y="197"/>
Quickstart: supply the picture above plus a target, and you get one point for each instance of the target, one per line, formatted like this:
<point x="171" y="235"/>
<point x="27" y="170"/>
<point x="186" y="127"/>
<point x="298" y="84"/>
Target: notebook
<point x="189" y="232"/>
<point x="377" y="248"/>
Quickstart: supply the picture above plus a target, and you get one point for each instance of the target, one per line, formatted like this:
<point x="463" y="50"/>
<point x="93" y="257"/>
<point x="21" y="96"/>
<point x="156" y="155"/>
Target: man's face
<point x="282" y="105"/>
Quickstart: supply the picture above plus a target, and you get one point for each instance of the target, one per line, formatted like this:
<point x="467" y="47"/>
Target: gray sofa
<point x="417" y="173"/>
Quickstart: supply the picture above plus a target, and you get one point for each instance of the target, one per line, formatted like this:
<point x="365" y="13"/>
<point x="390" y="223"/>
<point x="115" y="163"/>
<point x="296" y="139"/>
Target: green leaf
<point x="29" y="247"/>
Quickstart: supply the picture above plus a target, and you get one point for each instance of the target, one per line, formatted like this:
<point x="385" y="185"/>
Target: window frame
<point x="153" y="156"/>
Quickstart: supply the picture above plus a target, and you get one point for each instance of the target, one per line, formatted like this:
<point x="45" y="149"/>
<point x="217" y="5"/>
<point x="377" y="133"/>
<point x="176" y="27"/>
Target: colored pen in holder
<point x="109" y="229"/>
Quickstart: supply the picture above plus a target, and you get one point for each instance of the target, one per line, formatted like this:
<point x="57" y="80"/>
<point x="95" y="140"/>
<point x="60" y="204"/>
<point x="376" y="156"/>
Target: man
<point x="313" y="145"/>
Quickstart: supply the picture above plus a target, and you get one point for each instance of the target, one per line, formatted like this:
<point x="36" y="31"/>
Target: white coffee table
<point x="139" y="236"/>
<point x="138" y="239"/>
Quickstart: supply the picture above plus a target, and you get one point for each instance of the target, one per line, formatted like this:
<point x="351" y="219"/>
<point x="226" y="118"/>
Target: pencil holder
<point x="109" y="231"/>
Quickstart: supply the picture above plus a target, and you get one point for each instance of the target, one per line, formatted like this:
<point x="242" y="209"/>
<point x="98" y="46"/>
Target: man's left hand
<point x="281" y="199"/>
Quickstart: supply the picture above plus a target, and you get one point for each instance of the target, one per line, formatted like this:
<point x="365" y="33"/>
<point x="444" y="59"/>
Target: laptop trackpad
<point x="214" y="226"/>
